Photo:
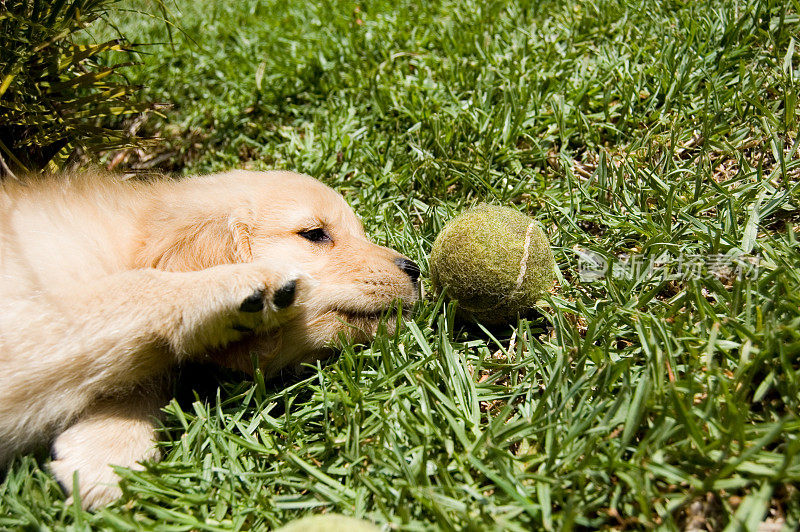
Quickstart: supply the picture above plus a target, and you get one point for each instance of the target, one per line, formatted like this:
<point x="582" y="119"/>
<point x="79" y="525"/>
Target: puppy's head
<point x="299" y="224"/>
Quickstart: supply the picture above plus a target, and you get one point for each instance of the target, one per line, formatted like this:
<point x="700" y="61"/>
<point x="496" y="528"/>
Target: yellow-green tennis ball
<point x="329" y="523"/>
<point x="495" y="261"/>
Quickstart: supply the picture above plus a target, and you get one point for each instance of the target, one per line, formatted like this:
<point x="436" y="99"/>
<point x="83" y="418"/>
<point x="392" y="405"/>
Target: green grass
<point x="662" y="131"/>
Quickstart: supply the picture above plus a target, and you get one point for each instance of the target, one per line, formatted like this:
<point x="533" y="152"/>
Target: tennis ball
<point x="329" y="523"/>
<point x="495" y="261"/>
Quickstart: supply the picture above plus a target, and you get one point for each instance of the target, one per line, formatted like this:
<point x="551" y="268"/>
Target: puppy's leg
<point x="190" y="312"/>
<point x="118" y="431"/>
<point x="62" y="350"/>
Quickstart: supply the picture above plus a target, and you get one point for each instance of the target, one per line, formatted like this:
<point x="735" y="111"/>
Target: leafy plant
<point x="58" y="97"/>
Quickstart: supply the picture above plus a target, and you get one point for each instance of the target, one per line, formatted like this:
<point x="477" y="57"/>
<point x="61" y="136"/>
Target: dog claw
<point x="284" y="296"/>
<point x="253" y="303"/>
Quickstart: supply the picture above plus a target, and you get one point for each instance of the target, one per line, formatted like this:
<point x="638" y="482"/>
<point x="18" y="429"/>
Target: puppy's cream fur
<point x="106" y="285"/>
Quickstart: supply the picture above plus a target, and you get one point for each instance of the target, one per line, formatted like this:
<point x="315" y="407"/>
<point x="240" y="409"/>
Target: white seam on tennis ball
<point x="523" y="268"/>
<point x="523" y="263"/>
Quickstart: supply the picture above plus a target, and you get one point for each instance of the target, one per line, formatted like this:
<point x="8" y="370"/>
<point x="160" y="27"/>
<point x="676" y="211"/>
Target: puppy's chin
<point x="363" y="326"/>
<point x="306" y="340"/>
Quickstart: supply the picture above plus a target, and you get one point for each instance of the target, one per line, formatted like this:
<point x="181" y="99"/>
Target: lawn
<point x="658" y="386"/>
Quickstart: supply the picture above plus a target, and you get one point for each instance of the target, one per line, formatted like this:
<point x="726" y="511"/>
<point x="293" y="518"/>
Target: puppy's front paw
<point x="89" y="448"/>
<point x="282" y="297"/>
<point x="266" y="306"/>
<point x="97" y="486"/>
<point x="243" y="299"/>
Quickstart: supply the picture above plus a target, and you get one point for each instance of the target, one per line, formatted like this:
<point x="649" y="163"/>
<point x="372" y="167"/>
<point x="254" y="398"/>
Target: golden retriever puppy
<point x="105" y="285"/>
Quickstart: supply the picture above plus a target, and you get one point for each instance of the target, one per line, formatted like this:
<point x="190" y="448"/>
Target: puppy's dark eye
<point x="317" y="235"/>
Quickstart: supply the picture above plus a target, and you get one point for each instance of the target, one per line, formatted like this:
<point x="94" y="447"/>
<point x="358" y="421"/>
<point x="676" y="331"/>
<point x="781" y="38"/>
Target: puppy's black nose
<point x="284" y="296"/>
<point x="410" y="267"/>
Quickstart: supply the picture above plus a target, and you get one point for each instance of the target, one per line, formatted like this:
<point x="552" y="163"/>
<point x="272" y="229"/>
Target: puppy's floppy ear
<point x="176" y="243"/>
